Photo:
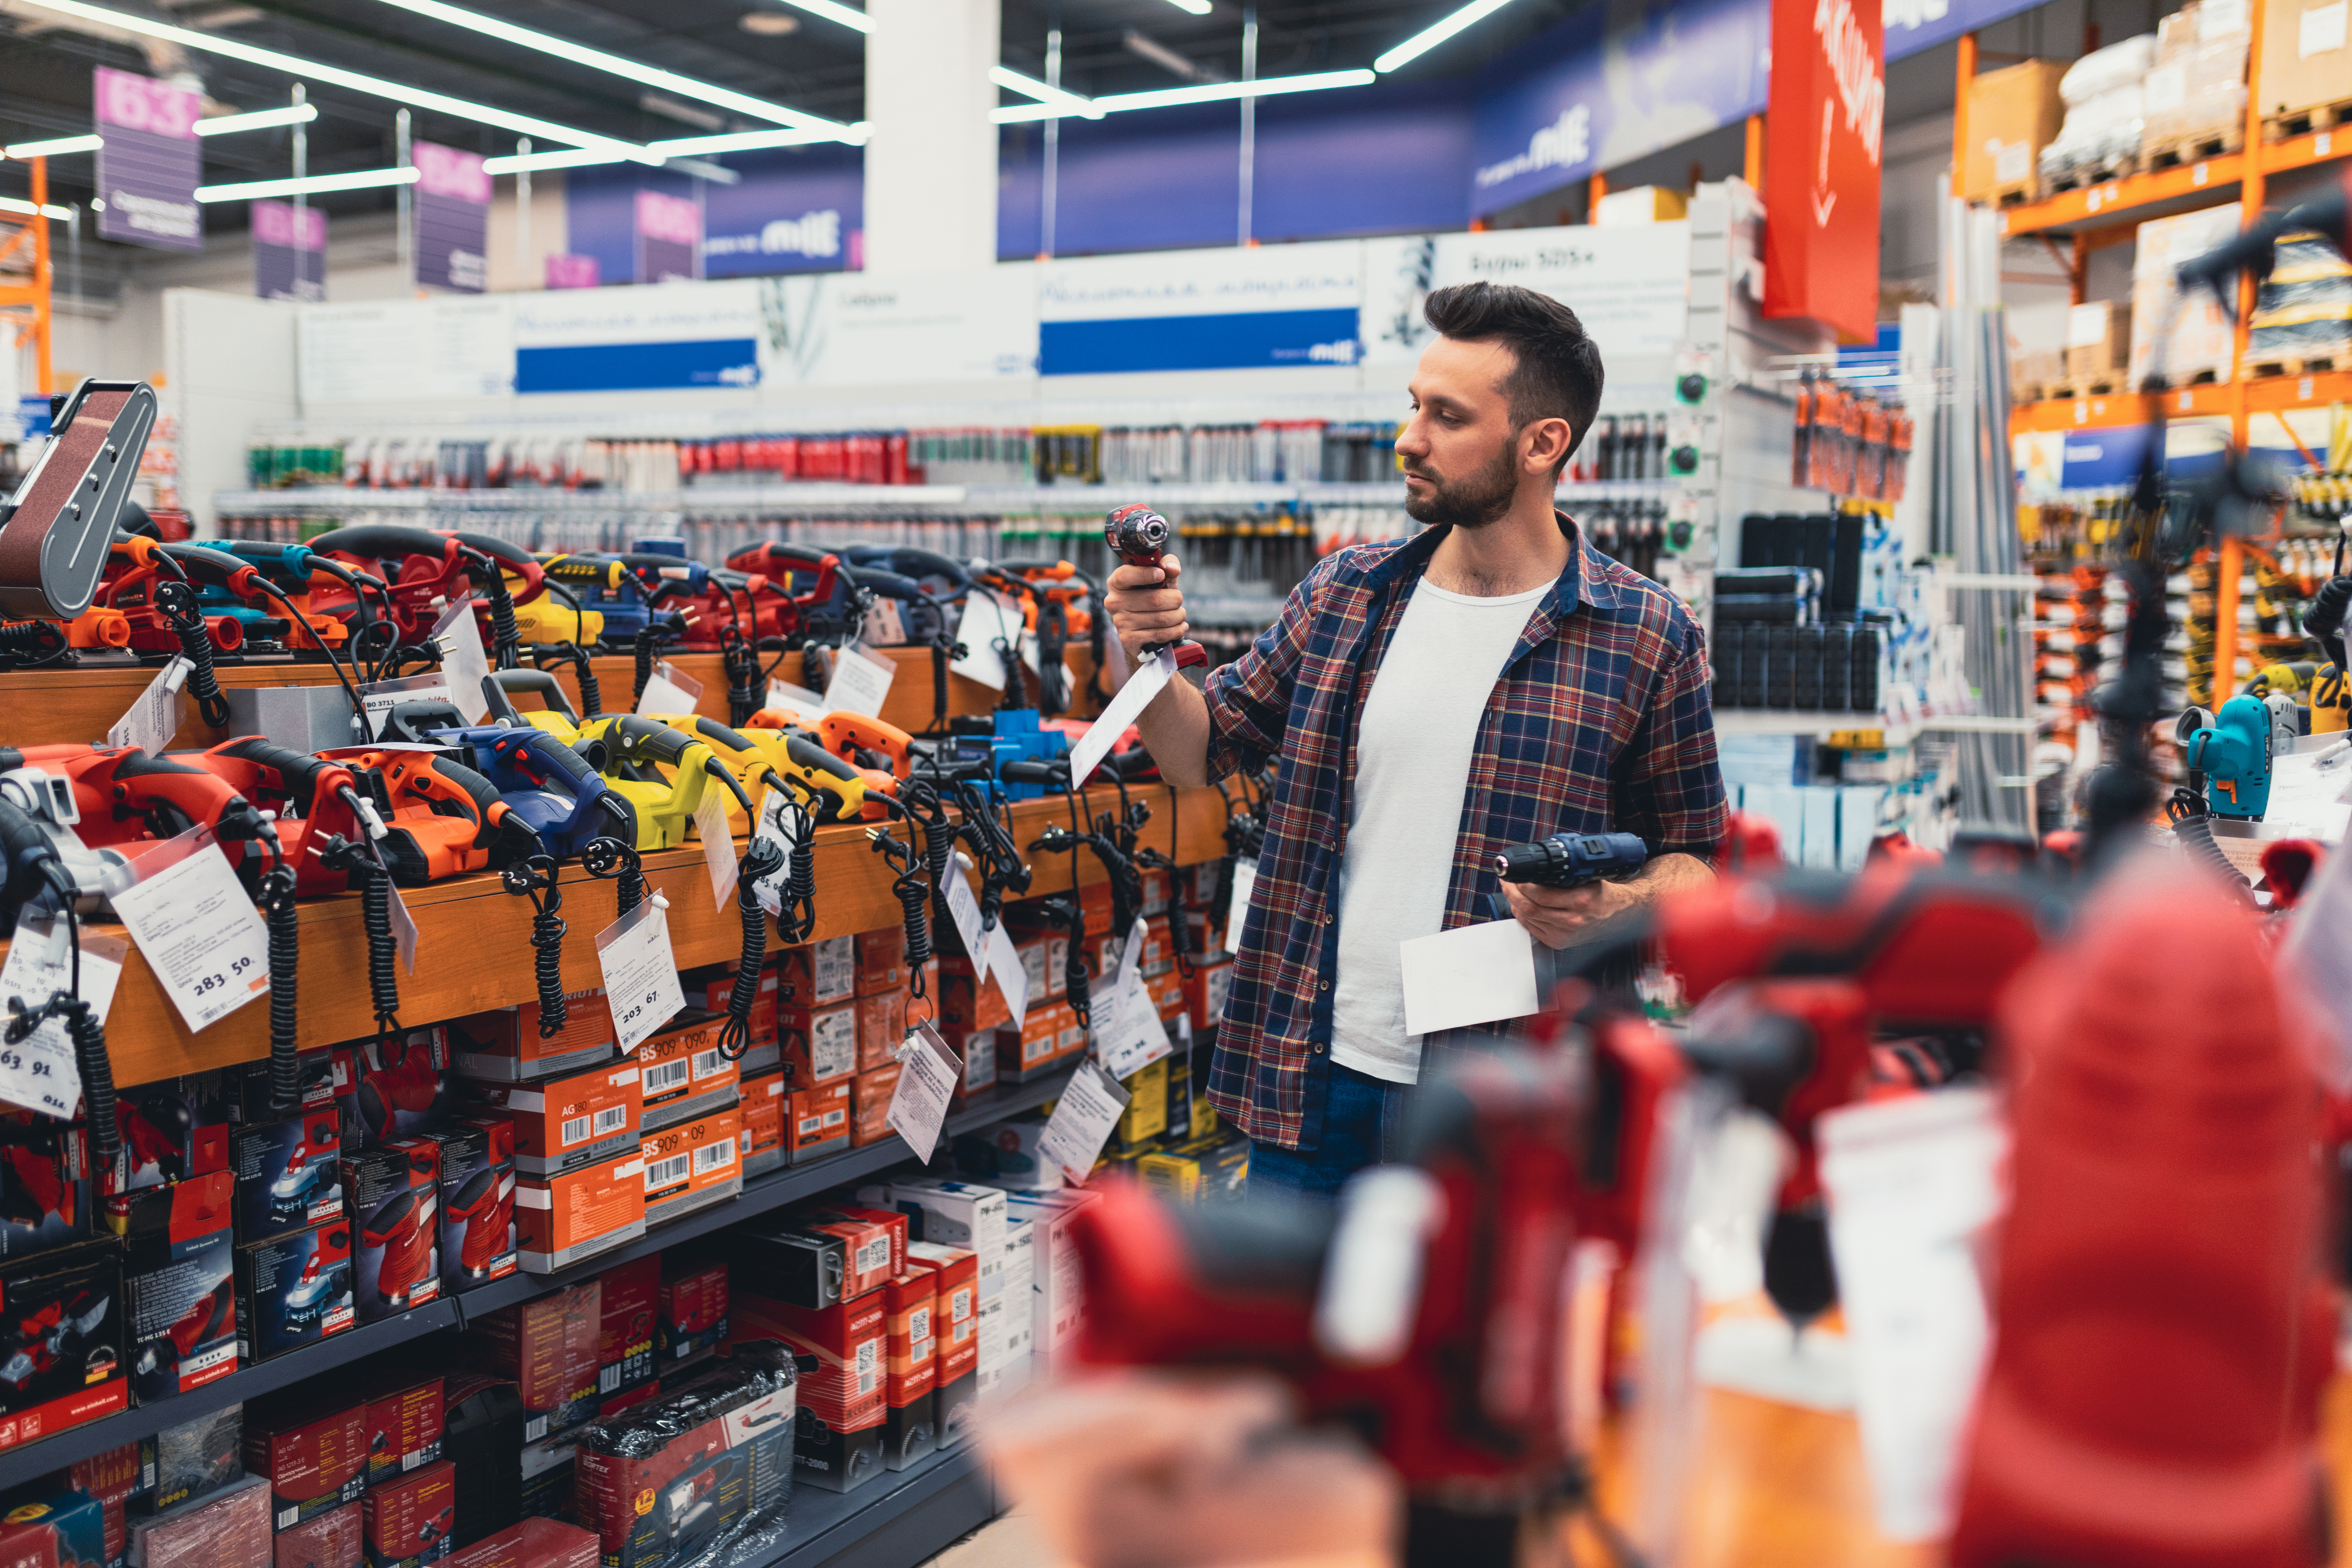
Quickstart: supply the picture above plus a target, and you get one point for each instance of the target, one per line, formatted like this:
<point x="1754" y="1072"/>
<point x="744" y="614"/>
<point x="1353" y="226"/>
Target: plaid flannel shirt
<point x="1599" y="722"/>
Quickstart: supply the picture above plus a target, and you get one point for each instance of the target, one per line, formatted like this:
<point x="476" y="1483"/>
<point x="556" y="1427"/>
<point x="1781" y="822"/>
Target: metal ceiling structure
<point x="770" y="49"/>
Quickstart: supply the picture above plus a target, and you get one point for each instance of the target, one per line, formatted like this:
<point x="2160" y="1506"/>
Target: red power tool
<point x="800" y="581"/>
<point x="1140" y="536"/>
<point x="2164" y="1322"/>
<point x="404" y="1230"/>
<point x="485" y="1202"/>
<point x="441" y="817"/>
<point x="425" y="572"/>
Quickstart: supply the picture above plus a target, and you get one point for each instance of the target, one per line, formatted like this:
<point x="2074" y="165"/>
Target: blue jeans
<point x="1363" y="1124"/>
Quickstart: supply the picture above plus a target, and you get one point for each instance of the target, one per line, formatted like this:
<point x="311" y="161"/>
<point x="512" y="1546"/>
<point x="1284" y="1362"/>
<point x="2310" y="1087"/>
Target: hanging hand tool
<point x="54" y="530"/>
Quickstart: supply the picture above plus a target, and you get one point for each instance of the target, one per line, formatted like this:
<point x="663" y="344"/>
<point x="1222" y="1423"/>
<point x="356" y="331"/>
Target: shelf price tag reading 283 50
<point x="640" y="971"/>
<point x="195" y="925"/>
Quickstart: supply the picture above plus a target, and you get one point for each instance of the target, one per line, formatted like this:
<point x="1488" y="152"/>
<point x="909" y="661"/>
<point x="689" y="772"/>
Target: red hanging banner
<point x="1823" y="128"/>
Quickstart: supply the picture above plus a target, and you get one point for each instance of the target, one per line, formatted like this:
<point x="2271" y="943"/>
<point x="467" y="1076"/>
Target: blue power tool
<point x="2234" y="750"/>
<point x="1570" y="859"/>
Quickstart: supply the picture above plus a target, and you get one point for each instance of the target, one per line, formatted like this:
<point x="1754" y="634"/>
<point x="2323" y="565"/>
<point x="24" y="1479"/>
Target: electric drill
<point x="1139" y="536"/>
<point x="2234" y="750"/>
<point x="1571" y="860"/>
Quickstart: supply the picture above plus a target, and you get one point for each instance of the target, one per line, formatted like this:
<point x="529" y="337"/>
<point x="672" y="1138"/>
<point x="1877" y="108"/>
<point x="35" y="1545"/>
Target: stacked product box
<point x="65" y="1333"/>
<point x="631" y="1294"/>
<point x="407" y="1417"/>
<point x="765" y="1100"/>
<point x="549" y="1348"/>
<point x="685" y="1073"/>
<point x="910" y="1370"/>
<point x="690" y="1316"/>
<point x="955" y="1328"/>
<point x="507" y="1044"/>
<point x="229" y="1529"/>
<point x="693" y="1163"/>
<point x="477" y="1203"/>
<point x="311" y="1444"/>
<point x="179" y="1296"/>
<point x="663" y="1482"/>
<point x="394" y="1189"/>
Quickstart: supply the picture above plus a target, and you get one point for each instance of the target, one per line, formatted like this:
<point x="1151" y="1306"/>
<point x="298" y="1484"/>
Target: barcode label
<point x="835" y="1117"/>
<point x="665" y="1074"/>
<point x="612" y="1119"/>
<point x="959" y="1304"/>
<point x="575" y="1128"/>
<point x="708" y="1064"/>
<point x="663" y="1172"/>
<point x="811" y="1125"/>
<point x="919" y="1324"/>
<point x="711" y="1156"/>
<point x="869" y="1364"/>
<point x="873" y="1254"/>
<point x="608" y="1379"/>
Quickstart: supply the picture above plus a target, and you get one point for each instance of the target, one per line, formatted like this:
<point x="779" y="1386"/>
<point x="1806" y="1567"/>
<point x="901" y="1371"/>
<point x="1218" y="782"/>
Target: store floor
<point x="1006" y="1543"/>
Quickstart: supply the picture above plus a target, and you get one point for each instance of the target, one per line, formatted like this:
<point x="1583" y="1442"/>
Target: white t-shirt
<point x="1412" y="764"/>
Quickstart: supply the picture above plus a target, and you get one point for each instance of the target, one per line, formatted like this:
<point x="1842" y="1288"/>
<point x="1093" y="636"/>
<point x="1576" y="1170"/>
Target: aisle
<point x="1006" y="1543"/>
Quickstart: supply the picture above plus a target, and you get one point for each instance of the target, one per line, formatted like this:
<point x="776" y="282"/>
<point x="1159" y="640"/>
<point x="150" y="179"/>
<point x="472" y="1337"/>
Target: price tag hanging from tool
<point x="196" y="926"/>
<point x="640" y="971"/>
<point x="40" y="1071"/>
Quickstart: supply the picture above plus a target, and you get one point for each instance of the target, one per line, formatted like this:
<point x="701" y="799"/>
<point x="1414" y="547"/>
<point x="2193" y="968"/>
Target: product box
<point x="692" y="1313"/>
<point x="686" y="1075"/>
<point x="1047" y="1038"/>
<point x="2098" y="340"/>
<point x="1205" y="991"/>
<point x="481" y="1434"/>
<point x="1041" y="961"/>
<point x="804" y="1268"/>
<point x="910" y="1430"/>
<point x="396" y="1196"/>
<point x="820" y="1044"/>
<point x="881" y="1028"/>
<point x="532" y="1544"/>
<point x="881" y="957"/>
<point x="227" y="1530"/>
<point x="567" y="1219"/>
<point x="548" y="1348"/>
<point x="550" y="1479"/>
<point x="56" y="1528"/>
<point x="2013" y="113"/>
<point x="1146" y="1116"/>
<point x="694" y="1165"/>
<point x="1057" y="1279"/>
<point x="837" y="1457"/>
<point x="477" y="1208"/>
<point x="817" y="975"/>
<point x="116" y="1478"/>
<point x="288" y="1173"/>
<point x="869" y="1105"/>
<point x="406" y="1418"/>
<point x="764" y="1101"/>
<point x="311" y="1444"/>
<point x="45" y="1184"/>
<point x="968" y="1001"/>
<point x="976" y="1048"/>
<point x="625" y="1340"/>
<point x="411" y="1519"/>
<point x="910" y="1366"/>
<point x="179" y="1299"/>
<point x="406" y="1086"/>
<point x="325" y="1075"/>
<point x="952" y="1214"/>
<point x="661" y="1482"/>
<point x="294" y="1290"/>
<point x="171" y="1130"/>
<point x="567" y="1120"/>
<point x="505" y="1043"/>
<point x="760" y="1027"/>
<point x="848" y="1342"/>
<point x="955" y="1327"/>
<point x="63" y="1339"/>
<point x="195" y="1459"/>
<point x="2202" y="344"/>
<point x="333" y="1540"/>
<point x="2305" y="58"/>
<point x="817" y="1120"/>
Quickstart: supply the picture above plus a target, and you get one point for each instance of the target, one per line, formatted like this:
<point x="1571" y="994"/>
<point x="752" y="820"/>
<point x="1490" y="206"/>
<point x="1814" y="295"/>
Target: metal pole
<point x="1249" y="122"/>
<point x="522" y="212"/>
<point x="401" y="160"/>
<point x="301" y="200"/>
<point x="1049" y="197"/>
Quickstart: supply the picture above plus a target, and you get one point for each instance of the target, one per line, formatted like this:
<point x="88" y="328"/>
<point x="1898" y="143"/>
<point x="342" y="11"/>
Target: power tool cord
<point x="83" y="1028"/>
<point x="176" y="603"/>
<point x="762" y="860"/>
<point x="535" y="879"/>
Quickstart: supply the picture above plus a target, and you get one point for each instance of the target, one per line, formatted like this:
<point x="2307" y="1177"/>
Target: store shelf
<point x="760" y="1195"/>
<point x="906" y="1517"/>
<point x="2204" y="184"/>
<point x="1888" y="732"/>
<point x="2213" y="400"/>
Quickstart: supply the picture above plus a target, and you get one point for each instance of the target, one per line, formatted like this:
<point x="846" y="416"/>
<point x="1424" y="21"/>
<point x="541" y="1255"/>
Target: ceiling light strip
<point x="259" y="120"/>
<point x="1429" y="38"/>
<point x="311" y="186"/>
<point x="1206" y="92"/>
<point x="26" y="209"/>
<point x="56" y="147"/>
<point x="1030" y="87"/>
<point x="832" y="11"/>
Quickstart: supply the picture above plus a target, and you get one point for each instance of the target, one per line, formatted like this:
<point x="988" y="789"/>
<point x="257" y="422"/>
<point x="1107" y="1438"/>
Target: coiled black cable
<point x="505" y="635"/>
<point x="610" y="858"/>
<point x="740" y="661"/>
<point x="279" y="917"/>
<point x="761" y="860"/>
<point x="87" y="1032"/>
<point x="2193" y="824"/>
<point x="913" y="892"/>
<point x="534" y="878"/>
<point x="383" y="952"/>
<point x="1075" y="978"/>
<point x="584" y="670"/>
<point x="176" y="603"/>
<point x="796" y="908"/>
<point x="650" y="638"/>
<point x="32" y="644"/>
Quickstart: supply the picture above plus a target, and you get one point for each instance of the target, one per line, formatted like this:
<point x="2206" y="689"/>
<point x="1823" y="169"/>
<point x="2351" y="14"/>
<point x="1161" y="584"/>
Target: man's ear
<point x="1545" y="444"/>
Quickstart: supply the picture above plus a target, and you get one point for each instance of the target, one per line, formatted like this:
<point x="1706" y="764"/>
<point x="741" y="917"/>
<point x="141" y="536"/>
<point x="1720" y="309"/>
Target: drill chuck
<point x="1137" y="534"/>
<point x="1566" y="859"/>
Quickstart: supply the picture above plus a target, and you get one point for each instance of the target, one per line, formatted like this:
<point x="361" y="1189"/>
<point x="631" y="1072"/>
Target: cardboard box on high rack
<point x="2013" y="113"/>
<point x="2306" y="55"/>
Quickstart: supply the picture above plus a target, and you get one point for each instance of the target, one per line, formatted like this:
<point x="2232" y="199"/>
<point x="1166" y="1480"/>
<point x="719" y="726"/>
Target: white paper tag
<point x="776" y="826"/>
<point x="1237" y="915"/>
<point x="928" y="1075"/>
<point x="1082" y="1122"/>
<point x="40" y="1072"/>
<point x="640" y="971"/>
<point x="861" y="680"/>
<point x="379" y="698"/>
<point x="1011" y="975"/>
<point x="1475" y="975"/>
<point x="804" y="706"/>
<point x="883" y="626"/>
<point x="464" y="665"/>
<point x="965" y="910"/>
<point x="197" y="930"/>
<point x="1119" y="712"/>
<point x="1912" y="1185"/>
<point x="2320" y="31"/>
<point x="669" y="690"/>
<point x="154" y="718"/>
<point x="404" y="929"/>
<point x="1135" y="1038"/>
<point x="987" y="620"/>
<point x="719" y="857"/>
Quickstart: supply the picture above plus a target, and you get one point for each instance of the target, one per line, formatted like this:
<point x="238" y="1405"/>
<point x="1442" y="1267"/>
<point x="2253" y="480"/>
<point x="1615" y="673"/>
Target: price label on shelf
<point x="196" y="927"/>
<point x="40" y="1071"/>
<point x="861" y="680"/>
<point x="640" y="971"/>
<point x="929" y="1072"/>
<point x="154" y="717"/>
<point x="1135" y="1038"/>
<point x="464" y="665"/>
<point x="1082" y="1122"/>
<point x="669" y="690"/>
<point x="719" y="857"/>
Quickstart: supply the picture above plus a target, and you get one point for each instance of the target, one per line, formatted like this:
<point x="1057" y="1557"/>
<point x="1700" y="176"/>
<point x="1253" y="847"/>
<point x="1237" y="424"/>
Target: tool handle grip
<point x="382" y="542"/>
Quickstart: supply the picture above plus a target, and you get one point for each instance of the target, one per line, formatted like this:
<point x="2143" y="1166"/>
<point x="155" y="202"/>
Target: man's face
<point x="1462" y="462"/>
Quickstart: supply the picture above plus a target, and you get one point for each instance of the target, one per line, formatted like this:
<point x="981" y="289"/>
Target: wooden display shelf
<point x="65" y="706"/>
<point x="473" y="938"/>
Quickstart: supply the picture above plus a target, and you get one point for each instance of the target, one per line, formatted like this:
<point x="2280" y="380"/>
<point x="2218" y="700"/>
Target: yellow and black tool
<point x="661" y="772"/>
<point x="760" y="755"/>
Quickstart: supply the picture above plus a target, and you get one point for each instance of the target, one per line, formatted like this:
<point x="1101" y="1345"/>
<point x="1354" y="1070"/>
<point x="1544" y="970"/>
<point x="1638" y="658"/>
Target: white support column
<point x="931" y="152"/>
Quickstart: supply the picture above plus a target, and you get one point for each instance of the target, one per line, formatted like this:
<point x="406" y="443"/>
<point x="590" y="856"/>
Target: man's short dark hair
<point x="1558" y="374"/>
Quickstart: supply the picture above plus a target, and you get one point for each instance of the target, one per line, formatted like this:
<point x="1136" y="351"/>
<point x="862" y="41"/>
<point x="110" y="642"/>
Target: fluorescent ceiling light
<point x="259" y="120"/>
<point x="26" y="209"/>
<point x="1207" y="92"/>
<point x="56" y="147"/>
<point x="357" y="81"/>
<point x="569" y="158"/>
<point x="680" y="147"/>
<point x="1429" y="38"/>
<point x="1030" y="87"/>
<point x="1198" y="7"/>
<point x="597" y="59"/>
<point x="832" y="11"/>
<point x="311" y="186"/>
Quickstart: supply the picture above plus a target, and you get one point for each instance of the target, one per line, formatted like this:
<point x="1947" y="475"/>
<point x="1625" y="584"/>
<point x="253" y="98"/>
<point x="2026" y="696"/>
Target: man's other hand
<point x="1146" y="605"/>
<point x="1557" y="917"/>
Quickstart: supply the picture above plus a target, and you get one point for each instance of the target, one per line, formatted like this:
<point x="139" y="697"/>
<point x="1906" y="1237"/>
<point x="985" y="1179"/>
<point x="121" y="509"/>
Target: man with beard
<point x="1491" y="680"/>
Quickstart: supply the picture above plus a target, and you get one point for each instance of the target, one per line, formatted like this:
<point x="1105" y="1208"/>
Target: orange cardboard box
<point x="693" y="1164"/>
<point x="1051" y="1032"/>
<point x="909" y="1302"/>
<point x="566" y="1218"/>
<point x="881" y="1028"/>
<point x="820" y="1044"/>
<point x="505" y="1042"/>
<point x="574" y="1118"/>
<point x="869" y="1103"/>
<point x="816" y="1120"/>
<point x="817" y="975"/>
<point x="764" y="1101"/>
<point x="685" y="1074"/>
<point x="969" y="1001"/>
<point x="881" y="961"/>
<point x="1205" y="994"/>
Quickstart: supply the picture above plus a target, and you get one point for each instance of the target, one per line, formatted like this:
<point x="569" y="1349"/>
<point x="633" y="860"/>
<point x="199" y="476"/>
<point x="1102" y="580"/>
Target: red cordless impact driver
<point x="1139" y="536"/>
